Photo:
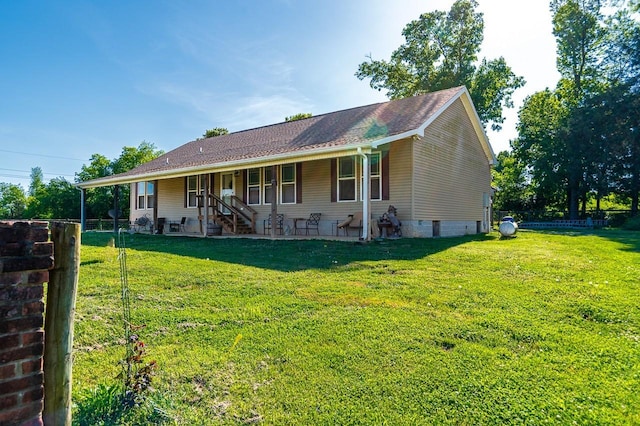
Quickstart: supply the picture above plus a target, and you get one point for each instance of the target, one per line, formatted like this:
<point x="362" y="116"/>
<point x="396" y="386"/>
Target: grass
<point x="542" y="328"/>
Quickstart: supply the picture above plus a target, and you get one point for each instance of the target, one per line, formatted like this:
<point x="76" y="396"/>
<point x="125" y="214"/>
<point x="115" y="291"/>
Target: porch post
<point x="83" y="210"/>
<point x="116" y="207"/>
<point x="365" y="194"/>
<point x="205" y="201"/>
<point x="155" y="206"/>
<point x="274" y="200"/>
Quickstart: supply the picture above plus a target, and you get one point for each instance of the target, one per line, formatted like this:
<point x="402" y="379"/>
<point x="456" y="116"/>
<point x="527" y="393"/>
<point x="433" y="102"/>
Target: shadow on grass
<point x="287" y="255"/>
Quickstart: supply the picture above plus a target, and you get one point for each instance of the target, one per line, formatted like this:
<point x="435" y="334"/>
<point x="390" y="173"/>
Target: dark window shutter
<point x="298" y="183"/>
<point x="245" y="196"/>
<point x="334" y="180"/>
<point x="186" y="190"/>
<point x="385" y="175"/>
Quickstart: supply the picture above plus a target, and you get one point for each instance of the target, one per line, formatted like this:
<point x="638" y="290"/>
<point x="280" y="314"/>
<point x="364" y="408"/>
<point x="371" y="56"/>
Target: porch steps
<point x="226" y="221"/>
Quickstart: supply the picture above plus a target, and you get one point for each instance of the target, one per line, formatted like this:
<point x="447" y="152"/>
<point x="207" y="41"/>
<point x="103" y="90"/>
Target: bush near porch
<point x="542" y="328"/>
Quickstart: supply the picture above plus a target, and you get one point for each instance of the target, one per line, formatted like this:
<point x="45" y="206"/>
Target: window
<point x="346" y="179"/>
<point x="288" y="183"/>
<point x="145" y="195"/>
<point x="151" y="201"/>
<point x="267" y="185"/>
<point x="259" y="185"/>
<point x="375" y="170"/>
<point x="253" y="186"/>
<point x="195" y="187"/>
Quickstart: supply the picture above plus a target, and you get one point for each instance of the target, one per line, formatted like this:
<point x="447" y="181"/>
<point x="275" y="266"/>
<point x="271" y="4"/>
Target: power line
<point x="44" y="173"/>
<point x="41" y="155"/>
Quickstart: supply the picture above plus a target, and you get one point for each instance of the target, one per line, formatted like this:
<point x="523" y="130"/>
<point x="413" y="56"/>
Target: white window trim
<point x="144" y="195"/>
<point x="258" y="185"/>
<point x="263" y="186"/>
<point x="199" y="190"/>
<point x="354" y="178"/>
<point x="283" y="183"/>
<point x="371" y="176"/>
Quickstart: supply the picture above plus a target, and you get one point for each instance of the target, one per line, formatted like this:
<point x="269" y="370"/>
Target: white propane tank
<point x="508" y="229"/>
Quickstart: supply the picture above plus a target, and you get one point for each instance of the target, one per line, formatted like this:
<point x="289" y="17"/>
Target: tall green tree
<point x="509" y="178"/>
<point x="541" y="149"/>
<point x="441" y="51"/>
<point x="13" y="201"/>
<point x="37" y="180"/>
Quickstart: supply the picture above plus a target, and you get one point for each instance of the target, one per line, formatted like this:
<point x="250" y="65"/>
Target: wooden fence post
<point x="58" y="323"/>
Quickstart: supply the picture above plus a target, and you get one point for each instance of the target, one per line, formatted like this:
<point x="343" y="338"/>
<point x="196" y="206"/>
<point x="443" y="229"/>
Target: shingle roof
<point x="350" y="127"/>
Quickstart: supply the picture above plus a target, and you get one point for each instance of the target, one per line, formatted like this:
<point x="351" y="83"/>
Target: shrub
<point x="632" y="223"/>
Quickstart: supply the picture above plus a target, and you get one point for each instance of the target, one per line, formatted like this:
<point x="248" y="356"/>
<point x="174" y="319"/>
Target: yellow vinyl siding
<point x="451" y="170"/>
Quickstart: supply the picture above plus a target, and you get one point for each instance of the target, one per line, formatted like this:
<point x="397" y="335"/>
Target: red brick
<point x="38" y="277"/>
<point x="12" y="249"/>
<point x="9" y="341"/>
<point x="7" y="371"/>
<point x="21" y="415"/>
<point x="22" y="353"/>
<point x="33" y="422"/>
<point x="9" y="295"/>
<point x="32" y="337"/>
<point x="11" y="278"/>
<point x="32" y="308"/>
<point x="8" y="402"/>
<point x="10" y="311"/>
<point x="33" y="395"/>
<point x="32" y="366"/>
<point x="25" y="263"/>
<point x="21" y="324"/>
<point x="23" y="383"/>
<point x="43" y="249"/>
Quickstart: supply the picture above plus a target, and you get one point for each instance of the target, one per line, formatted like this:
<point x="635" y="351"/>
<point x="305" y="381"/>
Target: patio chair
<point x="311" y="223"/>
<point x="178" y="226"/>
<point x="354" y="221"/>
<point x="278" y="225"/>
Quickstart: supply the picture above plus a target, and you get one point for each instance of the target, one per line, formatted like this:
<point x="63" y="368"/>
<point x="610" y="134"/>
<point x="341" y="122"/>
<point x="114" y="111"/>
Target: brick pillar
<point x="26" y="255"/>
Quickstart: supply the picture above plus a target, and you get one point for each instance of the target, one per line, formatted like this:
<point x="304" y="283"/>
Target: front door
<point x="227" y="189"/>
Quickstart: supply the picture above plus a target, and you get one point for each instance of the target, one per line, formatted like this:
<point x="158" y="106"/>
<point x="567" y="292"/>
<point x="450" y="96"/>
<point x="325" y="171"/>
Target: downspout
<point x="365" y="195"/>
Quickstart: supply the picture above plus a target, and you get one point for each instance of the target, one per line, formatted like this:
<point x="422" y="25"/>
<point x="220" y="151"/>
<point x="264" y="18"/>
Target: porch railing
<point x="227" y="214"/>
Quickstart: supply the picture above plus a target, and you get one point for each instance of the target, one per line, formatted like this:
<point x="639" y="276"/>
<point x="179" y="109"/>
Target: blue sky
<point x="85" y="77"/>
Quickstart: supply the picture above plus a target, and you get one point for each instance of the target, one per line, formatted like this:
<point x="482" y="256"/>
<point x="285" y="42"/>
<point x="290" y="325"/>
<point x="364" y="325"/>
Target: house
<point x="427" y="155"/>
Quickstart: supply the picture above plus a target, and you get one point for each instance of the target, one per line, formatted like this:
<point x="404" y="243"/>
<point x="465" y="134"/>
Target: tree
<point x="13" y="201"/>
<point x="100" y="200"/>
<point x="216" y="131"/>
<point x="441" y="51"/>
<point x="298" y="116"/>
<point x="510" y="181"/>
<point x="37" y="180"/>
<point x="540" y="148"/>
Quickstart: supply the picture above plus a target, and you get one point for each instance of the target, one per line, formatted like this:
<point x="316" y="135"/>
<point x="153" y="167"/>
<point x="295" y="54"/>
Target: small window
<point x="140" y="190"/>
<point x="375" y="171"/>
<point x="346" y="179"/>
<point x="267" y="185"/>
<point x="288" y="184"/>
<point x="151" y="200"/>
<point x="253" y="186"/>
<point x="192" y="191"/>
<point x="195" y="187"/>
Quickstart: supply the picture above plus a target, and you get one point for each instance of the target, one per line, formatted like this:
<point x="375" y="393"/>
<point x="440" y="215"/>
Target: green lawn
<point x="542" y="328"/>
